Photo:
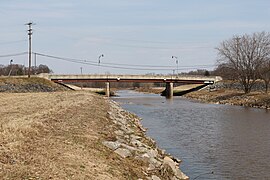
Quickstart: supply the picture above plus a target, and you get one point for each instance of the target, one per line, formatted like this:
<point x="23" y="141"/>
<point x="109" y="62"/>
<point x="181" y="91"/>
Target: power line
<point x="11" y="55"/>
<point x="12" y="42"/>
<point x="118" y="66"/>
<point x="130" y="68"/>
<point x="121" y="64"/>
<point x="62" y="58"/>
<point x="137" y="65"/>
<point x="93" y="63"/>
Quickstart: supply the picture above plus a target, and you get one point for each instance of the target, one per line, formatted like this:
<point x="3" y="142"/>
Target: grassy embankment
<point x="56" y="135"/>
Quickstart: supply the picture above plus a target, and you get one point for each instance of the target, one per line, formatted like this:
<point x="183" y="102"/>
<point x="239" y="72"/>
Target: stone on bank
<point x="131" y="142"/>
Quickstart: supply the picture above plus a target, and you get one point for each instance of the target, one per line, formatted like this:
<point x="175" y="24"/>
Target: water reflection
<point x="232" y="141"/>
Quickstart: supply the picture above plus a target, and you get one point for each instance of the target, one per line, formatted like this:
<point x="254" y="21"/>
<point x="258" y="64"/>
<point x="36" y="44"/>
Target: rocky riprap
<point x="26" y="88"/>
<point x="131" y="142"/>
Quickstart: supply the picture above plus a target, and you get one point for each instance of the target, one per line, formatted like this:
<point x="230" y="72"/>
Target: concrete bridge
<point x="107" y="78"/>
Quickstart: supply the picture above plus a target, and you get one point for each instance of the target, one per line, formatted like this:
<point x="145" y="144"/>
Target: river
<point x="231" y="141"/>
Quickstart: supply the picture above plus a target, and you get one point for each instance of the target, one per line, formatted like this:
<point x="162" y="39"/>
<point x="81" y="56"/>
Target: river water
<point x="231" y="141"/>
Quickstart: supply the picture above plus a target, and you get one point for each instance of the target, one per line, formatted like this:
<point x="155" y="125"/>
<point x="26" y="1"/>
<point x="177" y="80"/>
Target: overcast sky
<point x="140" y="32"/>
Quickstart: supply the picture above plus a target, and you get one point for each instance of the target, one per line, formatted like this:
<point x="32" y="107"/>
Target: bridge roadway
<point x="107" y="78"/>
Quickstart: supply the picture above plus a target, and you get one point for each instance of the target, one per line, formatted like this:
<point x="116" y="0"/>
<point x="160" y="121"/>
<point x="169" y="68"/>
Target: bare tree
<point x="245" y="54"/>
<point x="265" y="73"/>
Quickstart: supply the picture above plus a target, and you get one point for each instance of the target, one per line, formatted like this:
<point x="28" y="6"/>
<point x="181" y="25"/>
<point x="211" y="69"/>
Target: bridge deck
<point x="133" y="78"/>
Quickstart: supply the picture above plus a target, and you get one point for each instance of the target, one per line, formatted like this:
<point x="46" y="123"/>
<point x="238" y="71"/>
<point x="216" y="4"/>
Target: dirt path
<point x="58" y="136"/>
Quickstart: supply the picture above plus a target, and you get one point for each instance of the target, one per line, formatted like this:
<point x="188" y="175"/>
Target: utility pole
<point x="30" y="32"/>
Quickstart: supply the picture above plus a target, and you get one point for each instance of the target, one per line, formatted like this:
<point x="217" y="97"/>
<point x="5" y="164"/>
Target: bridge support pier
<point x="107" y="89"/>
<point x="169" y="90"/>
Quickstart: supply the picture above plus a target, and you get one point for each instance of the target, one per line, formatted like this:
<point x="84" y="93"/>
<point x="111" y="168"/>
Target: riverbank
<point x="232" y="97"/>
<point x="76" y="135"/>
<point x="221" y="95"/>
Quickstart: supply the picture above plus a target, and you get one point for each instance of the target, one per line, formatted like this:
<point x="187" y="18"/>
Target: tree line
<point x="18" y="70"/>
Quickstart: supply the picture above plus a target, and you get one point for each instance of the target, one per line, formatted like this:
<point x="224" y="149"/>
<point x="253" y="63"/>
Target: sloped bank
<point x="130" y="141"/>
<point x="232" y="97"/>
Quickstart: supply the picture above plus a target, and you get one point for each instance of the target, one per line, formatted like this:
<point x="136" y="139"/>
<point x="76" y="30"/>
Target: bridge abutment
<point x="107" y="89"/>
<point x="169" y="90"/>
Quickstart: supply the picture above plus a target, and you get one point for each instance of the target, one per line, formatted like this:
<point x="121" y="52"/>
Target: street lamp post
<point x="176" y="60"/>
<point x="10" y="64"/>
<point x="102" y="55"/>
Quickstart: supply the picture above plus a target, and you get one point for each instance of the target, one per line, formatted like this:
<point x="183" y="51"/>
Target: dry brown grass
<point x="234" y="97"/>
<point x="58" y="136"/>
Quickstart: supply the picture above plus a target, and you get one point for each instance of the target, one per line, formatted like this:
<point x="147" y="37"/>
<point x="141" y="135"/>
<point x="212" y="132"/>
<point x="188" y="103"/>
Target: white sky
<point x="142" y="32"/>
